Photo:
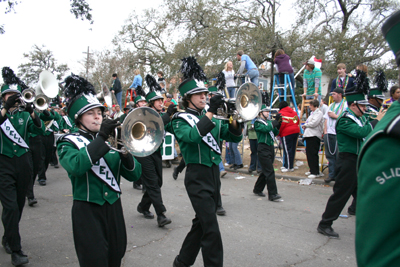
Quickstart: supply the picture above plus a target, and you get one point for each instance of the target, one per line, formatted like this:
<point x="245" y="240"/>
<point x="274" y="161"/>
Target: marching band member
<point x="351" y="129"/>
<point x="378" y="203"/>
<point x="15" y="161"/>
<point x="376" y="97"/>
<point x="152" y="164"/>
<point x="68" y="125"/>
<point x="199" y="136"/>
<point x="95" y="172"/>
<point x="266" y="131"/>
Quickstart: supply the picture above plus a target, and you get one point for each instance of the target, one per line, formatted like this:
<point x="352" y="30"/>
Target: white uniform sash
<point x="56" y="124"/>
<point x="271" y="133"/>
<point x="208" y="139"/>
<point x="12" y="134"/>
<point x="67" y="121"/>
<point x="100" y="168"/>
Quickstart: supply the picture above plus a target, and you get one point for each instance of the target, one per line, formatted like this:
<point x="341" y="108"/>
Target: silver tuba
<point x="142" y="133"/>
<point x="244" y="107"/>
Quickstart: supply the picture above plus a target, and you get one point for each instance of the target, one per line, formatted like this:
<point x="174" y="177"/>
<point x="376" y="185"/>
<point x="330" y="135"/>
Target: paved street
<point x="255" y="232"/>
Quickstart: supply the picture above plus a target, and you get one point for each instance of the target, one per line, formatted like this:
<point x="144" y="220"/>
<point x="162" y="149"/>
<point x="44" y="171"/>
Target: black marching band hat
<point x="382" y="86"/>
<point x="140" y="95"/>
<point x="81" y="96"/>
<point x="12" y="84"/>
<point x="219" y="86"/>
<point x="193" y="77"/>
<point x="154" y="89"/>
<point x="358" y="93"/>
<point x="391" y="32"/>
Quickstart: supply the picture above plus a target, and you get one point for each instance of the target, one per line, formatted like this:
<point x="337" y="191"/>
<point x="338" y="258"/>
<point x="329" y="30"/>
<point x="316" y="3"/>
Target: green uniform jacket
<point x="57" y="119"/>
<point x="193" y="149"/>
<point x="85" y="185"/>
<point x="263" y="131"/>
<point x="378" y="196"/>
<point x="43" y="118"/>
<point x="349" y="134"/>
<point x="64" y="124"/>
<point x="24" y="125"/>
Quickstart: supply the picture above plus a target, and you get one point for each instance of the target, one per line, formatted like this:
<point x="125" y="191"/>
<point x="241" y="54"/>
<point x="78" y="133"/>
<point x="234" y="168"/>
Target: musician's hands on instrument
<point x="172" y="109"/>
<point x="46" y="112"/>
<point x="381" y="113"/>
<point x="29" y="108"/>
<point x="107" y="128"/>
<point x="215" y="102"/>
<point x="11" y="101"/>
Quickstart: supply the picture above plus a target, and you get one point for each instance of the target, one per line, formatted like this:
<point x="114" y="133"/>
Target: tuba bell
<point x="46" y="88"/>
<point x="141" y="133"/>
<point x="244" y="107"/>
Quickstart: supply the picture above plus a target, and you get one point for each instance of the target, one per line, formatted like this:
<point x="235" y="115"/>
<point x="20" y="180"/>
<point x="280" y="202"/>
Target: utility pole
<point x="87" y="62"/>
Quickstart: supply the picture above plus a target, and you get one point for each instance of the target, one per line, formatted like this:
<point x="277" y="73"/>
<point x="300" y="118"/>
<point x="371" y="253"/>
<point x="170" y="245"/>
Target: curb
<point x="278" y="176"/>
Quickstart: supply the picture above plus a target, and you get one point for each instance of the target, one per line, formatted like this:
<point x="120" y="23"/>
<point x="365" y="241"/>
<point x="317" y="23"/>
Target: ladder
<point x="129" y="96"/>
<point x="285" y="86"/>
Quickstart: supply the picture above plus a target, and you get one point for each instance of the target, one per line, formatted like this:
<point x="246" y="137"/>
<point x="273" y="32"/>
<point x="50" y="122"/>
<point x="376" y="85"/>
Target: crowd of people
<point x="85" y="125"/>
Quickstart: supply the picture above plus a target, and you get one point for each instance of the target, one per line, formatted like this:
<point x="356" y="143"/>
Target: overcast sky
<point x="50" y="23"/>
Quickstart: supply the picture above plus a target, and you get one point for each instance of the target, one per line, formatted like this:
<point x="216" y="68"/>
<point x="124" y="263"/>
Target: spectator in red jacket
<point x="289" y="132"/>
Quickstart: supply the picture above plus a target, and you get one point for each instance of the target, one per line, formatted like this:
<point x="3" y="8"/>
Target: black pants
<point x="35" y="144"/>
<point x="289" y="147"/>
<point x="202" y="185"/>
<point x="152" y="181"/>
<point x="15" y="175"/>
<point x="99" y="233"/>
<point x="181" y="166"/>
<point x="266" y="155"/>
<point x="47" y="146"/>
<point x="345" y="186"/>
<point x="312" y="148"/>
<point x="54" y="159"/>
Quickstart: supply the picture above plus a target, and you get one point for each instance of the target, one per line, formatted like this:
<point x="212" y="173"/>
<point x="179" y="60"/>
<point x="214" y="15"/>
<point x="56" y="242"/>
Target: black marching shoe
<point x="261" y="194"/>
<point x="328" y="180"/>
<point x="238" y="167"/>
<point x="137" y="186"/>
<point x="351" y="212"/>
<point x="6" y="247"/>
<point x="327" y="231"/>
<point x="147" y="214"/>
<point x="32" y="201"/>
<point x="221" y="211"/>
<point x="19" y="258"/>
<point x="177" y="263"/>
<point x="42" y="182"/>
<point x="56" y="166"/>
<point x="175" y="173"/>
<point x="274" y="197"/>
<point x="162" y="220"/>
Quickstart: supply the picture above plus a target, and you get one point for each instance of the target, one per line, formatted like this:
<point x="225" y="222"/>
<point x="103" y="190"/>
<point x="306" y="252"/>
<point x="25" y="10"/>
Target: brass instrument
<point x="46" y="88"/>
<point x="141" y="133"/>
<point x="244" y="107"/>
<point x="286" y="119"/>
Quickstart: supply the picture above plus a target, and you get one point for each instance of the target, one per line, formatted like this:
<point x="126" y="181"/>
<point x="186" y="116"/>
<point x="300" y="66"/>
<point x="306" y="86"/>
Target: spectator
<point x="331" y="150"/>
<point x="161" y="79"/>
<point x="137" y="80"/>
<point x="394" y="96"/>
<point x="312" y="81"/>
<point x="112" y="112"/>
<point x="343" y="80"/>
<point x="117" y="88"/>
<point x="170" y="100"/>
<point x="313" y="129"/>
<point x="118" y="113"/>
<point x="248" y="64"/>
<point x="254" y="162"/>
<point x="283" y="64"/>
<point x="289" y="132"/>
<point x="323" y="106"/>
<point x="230" y="79"/>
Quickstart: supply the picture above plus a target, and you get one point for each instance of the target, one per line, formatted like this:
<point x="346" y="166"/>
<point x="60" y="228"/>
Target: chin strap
<point x="198" y="110"/>
<point x="89" y="131"/>
<point x="152" y="106"/>
<point x="359" y="109"/>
